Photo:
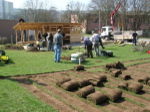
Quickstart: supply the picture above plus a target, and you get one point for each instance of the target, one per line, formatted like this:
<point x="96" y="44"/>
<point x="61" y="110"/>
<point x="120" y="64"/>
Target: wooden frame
<point x="68" y="29"/>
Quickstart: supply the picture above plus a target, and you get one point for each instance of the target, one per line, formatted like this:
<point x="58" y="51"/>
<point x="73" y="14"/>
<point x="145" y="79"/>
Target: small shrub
<point x="142" y="46"/>
<point x="14" y="46"/>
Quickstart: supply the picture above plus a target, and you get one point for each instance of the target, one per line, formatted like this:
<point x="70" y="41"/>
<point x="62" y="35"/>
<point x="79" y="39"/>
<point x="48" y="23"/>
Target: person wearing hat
<point x="58" y="42"/>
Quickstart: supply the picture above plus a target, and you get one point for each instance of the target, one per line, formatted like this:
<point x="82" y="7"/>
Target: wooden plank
<point x="16" y="37"/>
<point x="29" y="26"/>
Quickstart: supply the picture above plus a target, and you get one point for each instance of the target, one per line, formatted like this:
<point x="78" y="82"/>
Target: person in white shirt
<point x="96" y="40"/>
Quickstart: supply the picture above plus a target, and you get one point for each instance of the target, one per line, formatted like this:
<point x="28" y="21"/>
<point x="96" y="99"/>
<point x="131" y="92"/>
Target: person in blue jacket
<point x="58" y="42"/>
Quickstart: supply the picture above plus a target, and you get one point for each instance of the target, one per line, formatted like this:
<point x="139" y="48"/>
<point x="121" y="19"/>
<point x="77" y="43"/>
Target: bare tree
<point x="39" y="11"/>
<point x="74" y="8"/>
<point x="140" y="10"/>
<point x="32" y="8"/>
<point x="104" y="7"/>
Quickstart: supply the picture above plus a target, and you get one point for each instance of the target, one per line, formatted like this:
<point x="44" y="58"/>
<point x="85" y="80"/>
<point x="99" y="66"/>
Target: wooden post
<point x="28" y="34"/>
<point x="22" y="37"/>
<point x="16" y="37"/>
<point x="36" y="35"/>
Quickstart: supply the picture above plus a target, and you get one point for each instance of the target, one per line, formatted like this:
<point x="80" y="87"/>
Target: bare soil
<point x="45" y="88"/>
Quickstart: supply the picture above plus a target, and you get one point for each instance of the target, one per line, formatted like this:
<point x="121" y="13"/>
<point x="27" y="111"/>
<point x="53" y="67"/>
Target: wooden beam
<point x="22" y="36"/>
<point x="36" y="35"/>
<point x="16" y="37"/>
<point x="28" y="35"/>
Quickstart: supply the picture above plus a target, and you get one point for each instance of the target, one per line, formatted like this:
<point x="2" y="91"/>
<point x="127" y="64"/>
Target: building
<point x="2" y="9"/>
<point x="6" y="9"/>
<point x="7" y="34"/>
<point x="71" y="31"/>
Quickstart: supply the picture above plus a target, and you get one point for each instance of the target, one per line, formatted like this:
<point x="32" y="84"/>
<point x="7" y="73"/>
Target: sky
<point x="59" y="4"/>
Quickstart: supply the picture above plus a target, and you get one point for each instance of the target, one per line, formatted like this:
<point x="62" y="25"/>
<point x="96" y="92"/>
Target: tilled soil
<point x="44" y="87"/>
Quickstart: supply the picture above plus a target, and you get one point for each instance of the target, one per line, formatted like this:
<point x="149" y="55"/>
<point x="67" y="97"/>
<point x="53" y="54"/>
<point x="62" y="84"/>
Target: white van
<point x="106" y="32"/>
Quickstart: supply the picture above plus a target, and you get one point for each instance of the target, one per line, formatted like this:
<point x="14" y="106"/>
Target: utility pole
<point x="99" y="22"/>
<point x="68" y="6"/>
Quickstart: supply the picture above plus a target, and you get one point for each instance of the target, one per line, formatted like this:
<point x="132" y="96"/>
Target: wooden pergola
<point x="68" y="28"/>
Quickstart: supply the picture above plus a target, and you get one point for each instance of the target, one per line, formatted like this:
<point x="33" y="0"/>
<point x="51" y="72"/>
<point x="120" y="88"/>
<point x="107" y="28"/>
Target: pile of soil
<point x="84" y="82"/>
<point x="144" y="79"/>
<point x="70" y="85"/>
<point x="67" y="47"/>
<point x="61" y="81"/>
<point x="79" y="68"/>
<point x="123" y="86"/>
<point x="114" y="94"/>
<point x="115" y="72"/>
<point x="135" y="87"/>
<point x="66" y="58"/>
<point x="117" y="65"/>
<point x="101" y="78"/>
<point x="97" y="98"/>
<point x="125" y="77"/>
<point x="83" y="92"/>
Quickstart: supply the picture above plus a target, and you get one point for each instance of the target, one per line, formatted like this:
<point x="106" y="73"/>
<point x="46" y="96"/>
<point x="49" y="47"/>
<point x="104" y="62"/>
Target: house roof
<point x="41" y="26"/>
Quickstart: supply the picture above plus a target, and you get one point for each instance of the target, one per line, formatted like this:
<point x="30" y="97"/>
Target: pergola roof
<point x="40" y="26"/>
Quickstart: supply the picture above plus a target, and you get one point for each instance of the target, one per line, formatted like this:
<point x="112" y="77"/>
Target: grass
<point x="14" y="98"/>
<point x="42" y="62"/>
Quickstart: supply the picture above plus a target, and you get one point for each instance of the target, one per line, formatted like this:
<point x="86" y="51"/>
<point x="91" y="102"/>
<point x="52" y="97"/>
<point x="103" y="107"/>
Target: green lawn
<point x="42" y="62"/>
<point x="14" y="98"/>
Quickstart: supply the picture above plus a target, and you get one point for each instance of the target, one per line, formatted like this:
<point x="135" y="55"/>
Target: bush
<point x="14" y="46"/>
<point x="3" y="40"/>
<point x="142" y="46"/>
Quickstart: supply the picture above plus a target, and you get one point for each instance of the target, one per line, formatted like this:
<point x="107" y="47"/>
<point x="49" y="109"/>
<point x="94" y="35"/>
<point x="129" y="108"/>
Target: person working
<point x="49" y="39"/>
<point x="96" y="40"/>
<point x="88" y="46"/>
<point x="58" y="42"/>
<point x="134" y="35"/>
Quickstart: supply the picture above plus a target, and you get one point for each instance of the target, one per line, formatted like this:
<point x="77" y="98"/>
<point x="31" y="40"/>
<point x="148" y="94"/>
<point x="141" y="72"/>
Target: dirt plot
<point x="47" y="89"/>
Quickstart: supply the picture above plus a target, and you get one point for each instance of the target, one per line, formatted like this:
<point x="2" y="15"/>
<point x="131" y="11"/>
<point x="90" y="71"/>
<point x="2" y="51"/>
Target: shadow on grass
<point x="25" y="81"/>
<point x="3" y="63"/>
<point x="120" y="100"/>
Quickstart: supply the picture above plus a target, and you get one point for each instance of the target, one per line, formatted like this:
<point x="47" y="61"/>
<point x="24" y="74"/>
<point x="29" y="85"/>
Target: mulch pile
<point x="79" y="68"/>
<point x="70" y="85"/>
<point x="83" y="92"/>
<point x="117" y="65"/>
<point x="97" y="98"/>
<point x="135" y="87"/>
<point x="67" y="47"/>
<point x="114" y="94"/>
